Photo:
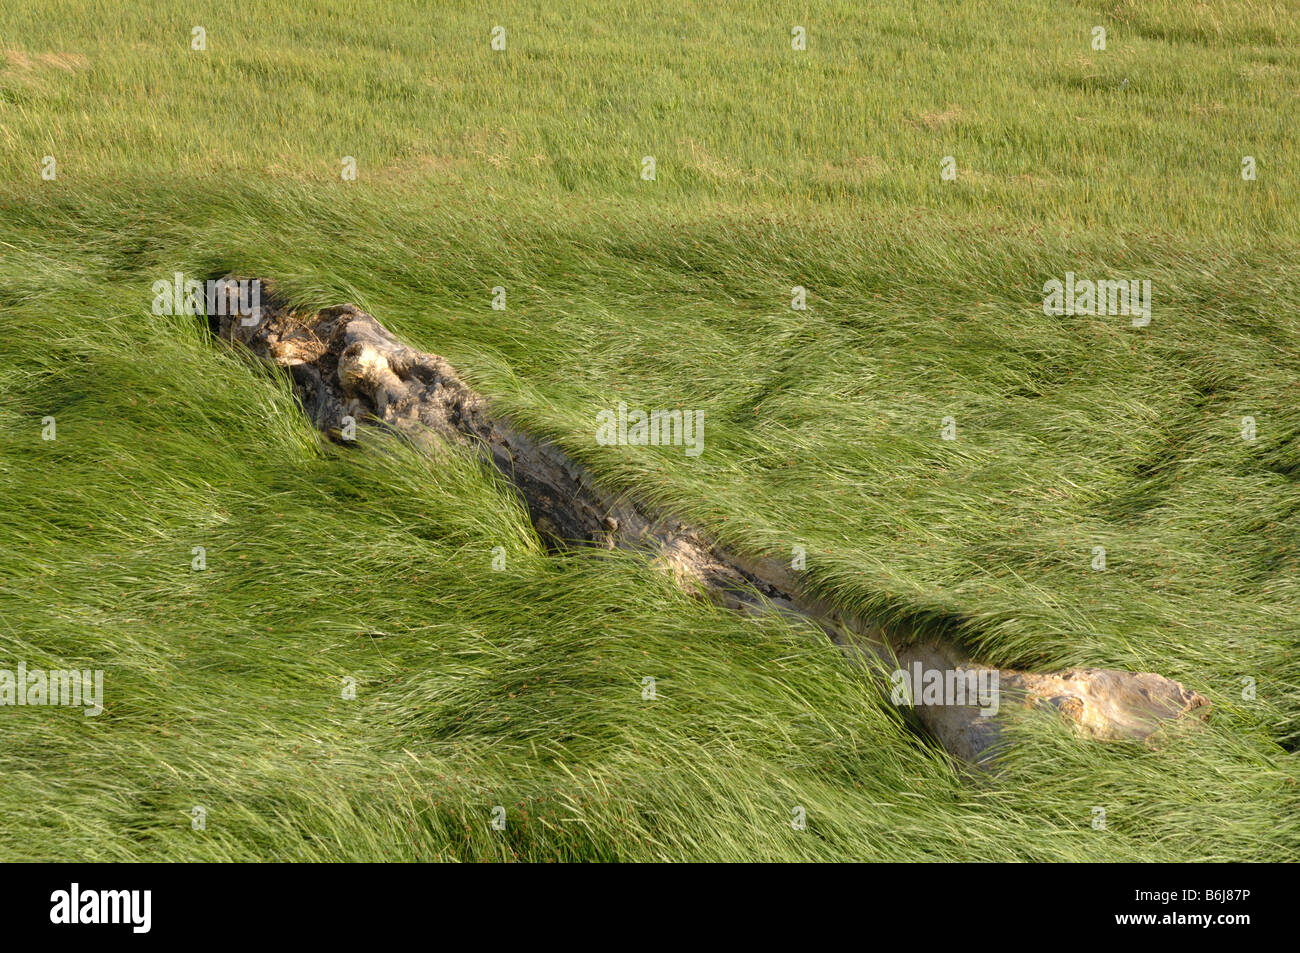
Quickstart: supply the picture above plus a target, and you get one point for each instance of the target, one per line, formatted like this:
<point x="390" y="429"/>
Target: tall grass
<point x="523" y="687"/>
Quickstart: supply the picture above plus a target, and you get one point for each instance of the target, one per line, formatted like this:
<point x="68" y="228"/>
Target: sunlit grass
<point x="523" y="688"/>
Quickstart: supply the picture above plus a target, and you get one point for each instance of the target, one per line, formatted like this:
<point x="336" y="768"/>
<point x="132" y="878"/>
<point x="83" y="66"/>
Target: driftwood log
<point x="347" y="367"/>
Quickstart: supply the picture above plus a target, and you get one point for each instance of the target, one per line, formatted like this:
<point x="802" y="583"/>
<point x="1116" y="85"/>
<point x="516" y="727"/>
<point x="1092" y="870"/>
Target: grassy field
<point x="774" y="168"/>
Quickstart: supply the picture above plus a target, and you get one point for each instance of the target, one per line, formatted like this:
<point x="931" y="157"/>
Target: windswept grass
<point x="775" y="168"/>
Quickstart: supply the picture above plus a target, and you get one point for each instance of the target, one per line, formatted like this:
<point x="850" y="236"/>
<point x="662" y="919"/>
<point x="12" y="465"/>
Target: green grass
<point x="775" y="168"/>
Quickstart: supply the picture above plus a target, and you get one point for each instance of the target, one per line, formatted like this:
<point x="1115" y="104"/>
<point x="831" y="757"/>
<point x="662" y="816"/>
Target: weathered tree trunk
<point x="346" y="365"/>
